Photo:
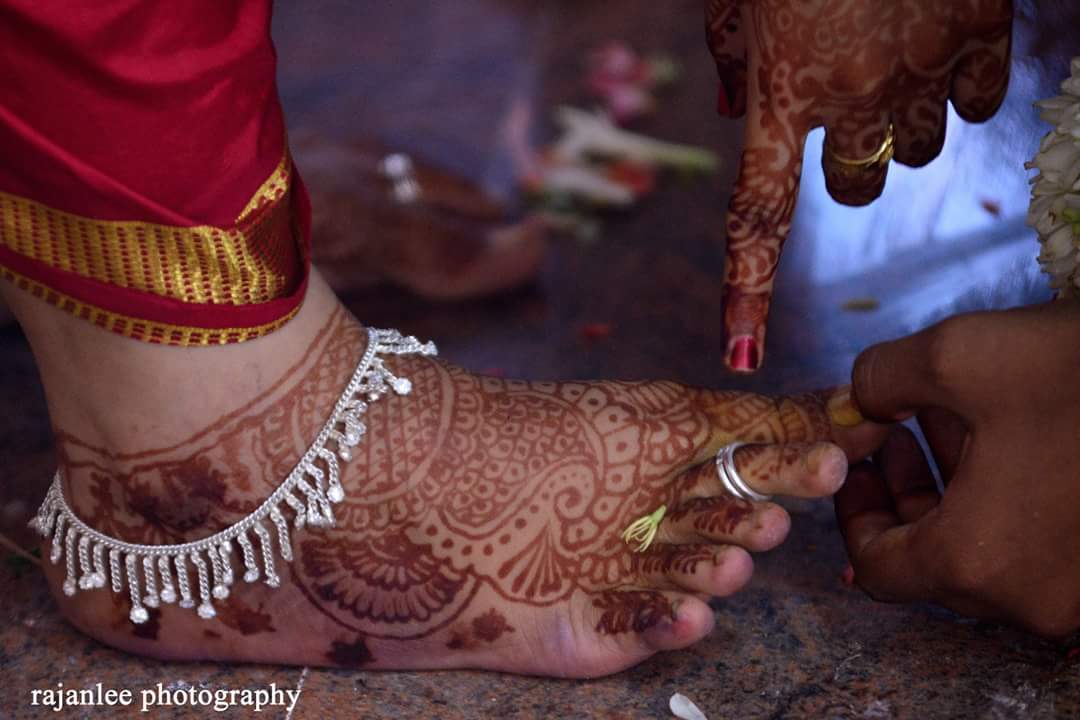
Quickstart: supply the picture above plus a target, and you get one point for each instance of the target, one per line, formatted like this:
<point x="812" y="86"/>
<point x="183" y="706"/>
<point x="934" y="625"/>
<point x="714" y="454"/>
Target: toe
<point x="723" y="519"/>
<point x="711" y="570"/>
<point x="794" y="469"/>
<point x="645" y="621"/>
<point x="693" y="620"/>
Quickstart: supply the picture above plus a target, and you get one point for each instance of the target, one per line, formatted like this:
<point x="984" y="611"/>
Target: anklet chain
<point x="308" y="492"/>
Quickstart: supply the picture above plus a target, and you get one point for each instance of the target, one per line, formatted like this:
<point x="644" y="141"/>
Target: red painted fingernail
<point x="744" y="355"/>
<point x="847" y="577"/>
<point x="723" y="102"/>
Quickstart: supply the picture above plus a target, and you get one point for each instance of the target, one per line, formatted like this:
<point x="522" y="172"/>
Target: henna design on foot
<point x="486" y="628"/>
<point x="244" y="619"/>
<point x="713" y="516"/>
<point x="625" y="611"/>
<point x="472" y="501"/>
<point x="668" y="559"/>
<point x="353" y="654"/>
<point x="490" y="626"/>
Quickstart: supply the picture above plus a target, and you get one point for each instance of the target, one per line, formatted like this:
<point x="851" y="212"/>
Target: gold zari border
<point x="243" y="265"/>
<point x="143" y="330"/>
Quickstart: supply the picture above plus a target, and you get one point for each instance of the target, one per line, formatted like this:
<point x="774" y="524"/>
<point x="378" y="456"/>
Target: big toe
<point x="626" y="626"/>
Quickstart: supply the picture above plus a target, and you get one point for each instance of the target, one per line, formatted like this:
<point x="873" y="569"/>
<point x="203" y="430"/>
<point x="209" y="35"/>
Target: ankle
<point x="162" y="444"/>
<point x="127" y="396"/>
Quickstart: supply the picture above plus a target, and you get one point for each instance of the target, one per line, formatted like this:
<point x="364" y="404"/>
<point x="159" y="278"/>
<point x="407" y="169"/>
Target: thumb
<point x="894" y="380"/>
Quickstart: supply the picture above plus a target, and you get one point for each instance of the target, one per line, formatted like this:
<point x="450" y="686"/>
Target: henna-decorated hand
<point x="854" y="67"/>
<point x="998" y="399"/>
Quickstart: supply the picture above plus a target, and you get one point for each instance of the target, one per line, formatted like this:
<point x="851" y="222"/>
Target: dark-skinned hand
<point x="997" y="396"/>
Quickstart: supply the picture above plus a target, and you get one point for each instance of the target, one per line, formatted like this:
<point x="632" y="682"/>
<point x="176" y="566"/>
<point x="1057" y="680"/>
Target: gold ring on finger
<point x="879" y="158"/>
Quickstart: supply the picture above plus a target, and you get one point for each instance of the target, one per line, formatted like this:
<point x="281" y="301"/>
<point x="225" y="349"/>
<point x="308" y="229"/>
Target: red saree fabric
<point x="145" y="181"/>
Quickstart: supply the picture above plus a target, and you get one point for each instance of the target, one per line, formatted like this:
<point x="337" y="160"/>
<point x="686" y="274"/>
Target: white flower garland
<point x="1055" y="196"/>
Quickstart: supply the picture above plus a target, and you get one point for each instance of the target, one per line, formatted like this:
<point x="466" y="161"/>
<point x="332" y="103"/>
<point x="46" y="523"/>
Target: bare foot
<point x="482" y="516"/>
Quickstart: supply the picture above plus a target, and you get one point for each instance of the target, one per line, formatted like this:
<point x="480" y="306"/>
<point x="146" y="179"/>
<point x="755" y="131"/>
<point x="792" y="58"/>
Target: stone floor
<point x="439" y="79"/>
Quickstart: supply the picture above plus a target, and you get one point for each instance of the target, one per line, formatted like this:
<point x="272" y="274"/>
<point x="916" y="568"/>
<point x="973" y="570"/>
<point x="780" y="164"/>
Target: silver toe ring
<point x="729" y="476"/>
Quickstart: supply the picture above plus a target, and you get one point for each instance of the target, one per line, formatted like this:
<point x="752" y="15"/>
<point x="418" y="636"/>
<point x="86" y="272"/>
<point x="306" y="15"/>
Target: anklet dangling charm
<point x="309" y="493"/>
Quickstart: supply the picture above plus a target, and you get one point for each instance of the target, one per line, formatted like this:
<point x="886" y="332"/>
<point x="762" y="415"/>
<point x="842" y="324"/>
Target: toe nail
<point x="828" y="462"/>
<point x="842" y="410"/>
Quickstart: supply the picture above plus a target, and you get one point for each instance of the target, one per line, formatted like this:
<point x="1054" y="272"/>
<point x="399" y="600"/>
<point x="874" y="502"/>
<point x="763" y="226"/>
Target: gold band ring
<point x="880" y="157"/>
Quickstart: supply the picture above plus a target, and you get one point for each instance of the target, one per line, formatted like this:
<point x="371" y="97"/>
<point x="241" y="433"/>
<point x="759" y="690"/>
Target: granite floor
<point x="440" y="79"/>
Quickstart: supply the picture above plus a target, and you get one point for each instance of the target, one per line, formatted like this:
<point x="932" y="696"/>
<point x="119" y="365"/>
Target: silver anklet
<point x="308" y="492"/>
